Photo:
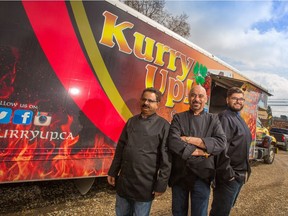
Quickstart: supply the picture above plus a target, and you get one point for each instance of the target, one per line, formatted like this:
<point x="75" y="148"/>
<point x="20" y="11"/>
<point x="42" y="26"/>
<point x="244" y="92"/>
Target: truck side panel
<point x="71" y="75"/>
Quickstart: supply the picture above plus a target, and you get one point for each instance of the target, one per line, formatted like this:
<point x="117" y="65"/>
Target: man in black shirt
<point x="232" y="164"/>
<point x="194" y="138"/>
<point x="141" y="163"/>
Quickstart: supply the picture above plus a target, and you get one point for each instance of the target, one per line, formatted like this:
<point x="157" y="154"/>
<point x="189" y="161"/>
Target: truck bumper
<point x="281" y="144"/>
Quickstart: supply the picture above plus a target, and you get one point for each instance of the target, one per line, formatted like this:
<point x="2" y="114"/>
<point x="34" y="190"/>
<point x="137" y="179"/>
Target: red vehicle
<point x="72" y="74"/>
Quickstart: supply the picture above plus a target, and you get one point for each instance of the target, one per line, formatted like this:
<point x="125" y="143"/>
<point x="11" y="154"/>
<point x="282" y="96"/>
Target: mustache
<point x="195" y="102"/>
<point x="145" y="106"/>
<point x="236" y="103"/>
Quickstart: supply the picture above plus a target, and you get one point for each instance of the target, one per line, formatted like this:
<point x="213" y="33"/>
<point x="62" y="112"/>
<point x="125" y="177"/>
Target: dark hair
<point x="155" y="91"/>
<point x="234" y="90"/>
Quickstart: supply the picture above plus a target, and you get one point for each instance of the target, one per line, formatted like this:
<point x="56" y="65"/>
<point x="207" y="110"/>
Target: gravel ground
<point x="264" y="194"/>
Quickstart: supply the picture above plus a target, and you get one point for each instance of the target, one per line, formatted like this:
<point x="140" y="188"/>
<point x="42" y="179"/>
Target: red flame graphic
<point x="26" y="157"/>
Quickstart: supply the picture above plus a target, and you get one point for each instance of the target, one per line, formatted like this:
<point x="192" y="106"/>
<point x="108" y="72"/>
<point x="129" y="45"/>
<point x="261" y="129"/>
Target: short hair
<point x="234" y="90"/>
<point x="155" y="91"/>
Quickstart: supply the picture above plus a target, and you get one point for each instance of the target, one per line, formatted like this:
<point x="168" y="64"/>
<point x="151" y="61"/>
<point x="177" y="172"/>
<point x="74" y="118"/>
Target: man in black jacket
<point x="194" y="138"/>
<point x="232" y="165"/>
<point x="141" y="163"/>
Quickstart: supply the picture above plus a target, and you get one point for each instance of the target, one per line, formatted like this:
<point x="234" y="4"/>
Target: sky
<point x="251" y="36"/>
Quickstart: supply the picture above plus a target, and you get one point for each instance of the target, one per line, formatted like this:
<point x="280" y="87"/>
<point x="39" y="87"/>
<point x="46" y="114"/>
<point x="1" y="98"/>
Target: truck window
<point x="259" y="124"/>
<point x="274" y="130"/>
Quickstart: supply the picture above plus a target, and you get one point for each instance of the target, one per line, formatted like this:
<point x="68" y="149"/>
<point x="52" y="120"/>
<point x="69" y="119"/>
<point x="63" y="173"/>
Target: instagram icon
<point x="42" y="119"/>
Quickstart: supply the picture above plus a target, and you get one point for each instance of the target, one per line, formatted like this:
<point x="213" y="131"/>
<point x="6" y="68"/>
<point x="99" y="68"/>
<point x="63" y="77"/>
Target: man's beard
<point x="236" y="109"/>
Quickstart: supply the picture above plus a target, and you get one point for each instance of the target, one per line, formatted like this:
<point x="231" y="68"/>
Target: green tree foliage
<point x="155" y="9"/>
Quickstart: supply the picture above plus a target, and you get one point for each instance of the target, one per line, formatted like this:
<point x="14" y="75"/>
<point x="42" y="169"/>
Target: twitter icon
<point x="5" y="115"/>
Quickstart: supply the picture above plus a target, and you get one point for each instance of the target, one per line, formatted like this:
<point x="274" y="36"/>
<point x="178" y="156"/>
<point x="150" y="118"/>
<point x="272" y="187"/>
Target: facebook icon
<point x="22" y="117"/>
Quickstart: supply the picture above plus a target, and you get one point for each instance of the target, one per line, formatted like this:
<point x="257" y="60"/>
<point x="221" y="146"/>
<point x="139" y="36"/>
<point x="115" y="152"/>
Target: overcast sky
<point x="251" y="36"/>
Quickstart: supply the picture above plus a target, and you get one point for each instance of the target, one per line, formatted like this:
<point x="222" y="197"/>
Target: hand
<point x="196" y="141"/>
<point x="185" y="138"/>
<point x="232" y="178"/>
<point x="200" y="152"/>
<point x="156" y="194"/>
<point x="111" y="180"/>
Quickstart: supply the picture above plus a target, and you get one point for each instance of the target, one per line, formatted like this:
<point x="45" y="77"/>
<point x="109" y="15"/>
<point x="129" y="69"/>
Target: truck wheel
<point x="286" y="146"/>
<point x="275" y="147"/>
<point x="268" y="159"/>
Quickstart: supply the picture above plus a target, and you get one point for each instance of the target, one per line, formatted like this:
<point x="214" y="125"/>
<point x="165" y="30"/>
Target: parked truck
<point x="265" y="142"/>
<point x="72" y="73"/>
<point x="281" y="135"/>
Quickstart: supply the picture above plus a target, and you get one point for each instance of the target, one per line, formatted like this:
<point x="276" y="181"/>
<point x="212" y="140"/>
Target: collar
<point x="148" y="117"/>
<point x="192" y="112"/>
<point x="233" y="112"/>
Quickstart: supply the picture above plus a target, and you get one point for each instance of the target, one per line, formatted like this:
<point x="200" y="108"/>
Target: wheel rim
<point x="271" y="155"/>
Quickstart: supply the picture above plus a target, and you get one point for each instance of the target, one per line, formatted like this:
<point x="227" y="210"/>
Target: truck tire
<point x="268" y="159"/>
<point x="286" y="146"/>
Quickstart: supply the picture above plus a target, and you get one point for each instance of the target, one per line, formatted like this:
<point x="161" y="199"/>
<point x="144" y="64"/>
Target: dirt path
<point x="267" y="191"/>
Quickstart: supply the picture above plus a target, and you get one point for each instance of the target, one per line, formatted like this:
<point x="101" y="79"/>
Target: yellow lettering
<point x="111" y="30"/>
<point x="164" y="74"/>
<point x="172" y="59"/>
<point x="150" y="77"/>
<point x="175" y="92"/>
<point x="138" y="47"/>
<point x="143" y="49"/>
<point x="186" y="65"/>
<point x="161" y="50"/>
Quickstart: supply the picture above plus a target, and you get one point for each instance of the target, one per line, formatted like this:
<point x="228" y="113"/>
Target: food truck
<point x="72" y="73"/>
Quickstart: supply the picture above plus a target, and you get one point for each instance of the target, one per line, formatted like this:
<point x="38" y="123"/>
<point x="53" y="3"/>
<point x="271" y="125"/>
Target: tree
<point x="154" y="9"/>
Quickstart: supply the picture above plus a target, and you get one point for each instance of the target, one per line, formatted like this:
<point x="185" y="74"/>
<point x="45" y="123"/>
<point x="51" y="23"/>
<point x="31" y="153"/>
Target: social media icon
<point x="5" y="115"/>
<point x="23" y="117"/>
<point x="42" y="119"/>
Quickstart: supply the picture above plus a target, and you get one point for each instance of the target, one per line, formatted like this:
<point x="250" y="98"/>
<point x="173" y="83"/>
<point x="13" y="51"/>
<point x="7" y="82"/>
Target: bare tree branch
<point x="154" y="9"/>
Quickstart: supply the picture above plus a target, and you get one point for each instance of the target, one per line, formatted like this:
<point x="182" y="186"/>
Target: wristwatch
<point x="187" y="139"/>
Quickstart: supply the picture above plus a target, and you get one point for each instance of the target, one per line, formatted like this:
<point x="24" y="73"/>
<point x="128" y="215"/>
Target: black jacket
<point x="184" y="166"/>
<point x="234" y="161"/>
<point x="141" y="163"/>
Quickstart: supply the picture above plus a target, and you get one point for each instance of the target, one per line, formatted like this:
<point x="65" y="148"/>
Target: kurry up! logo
<point x="113" y="31"/>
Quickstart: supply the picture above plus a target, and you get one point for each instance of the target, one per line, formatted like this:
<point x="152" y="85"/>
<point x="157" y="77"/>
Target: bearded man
<point x="232" y="166"/>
